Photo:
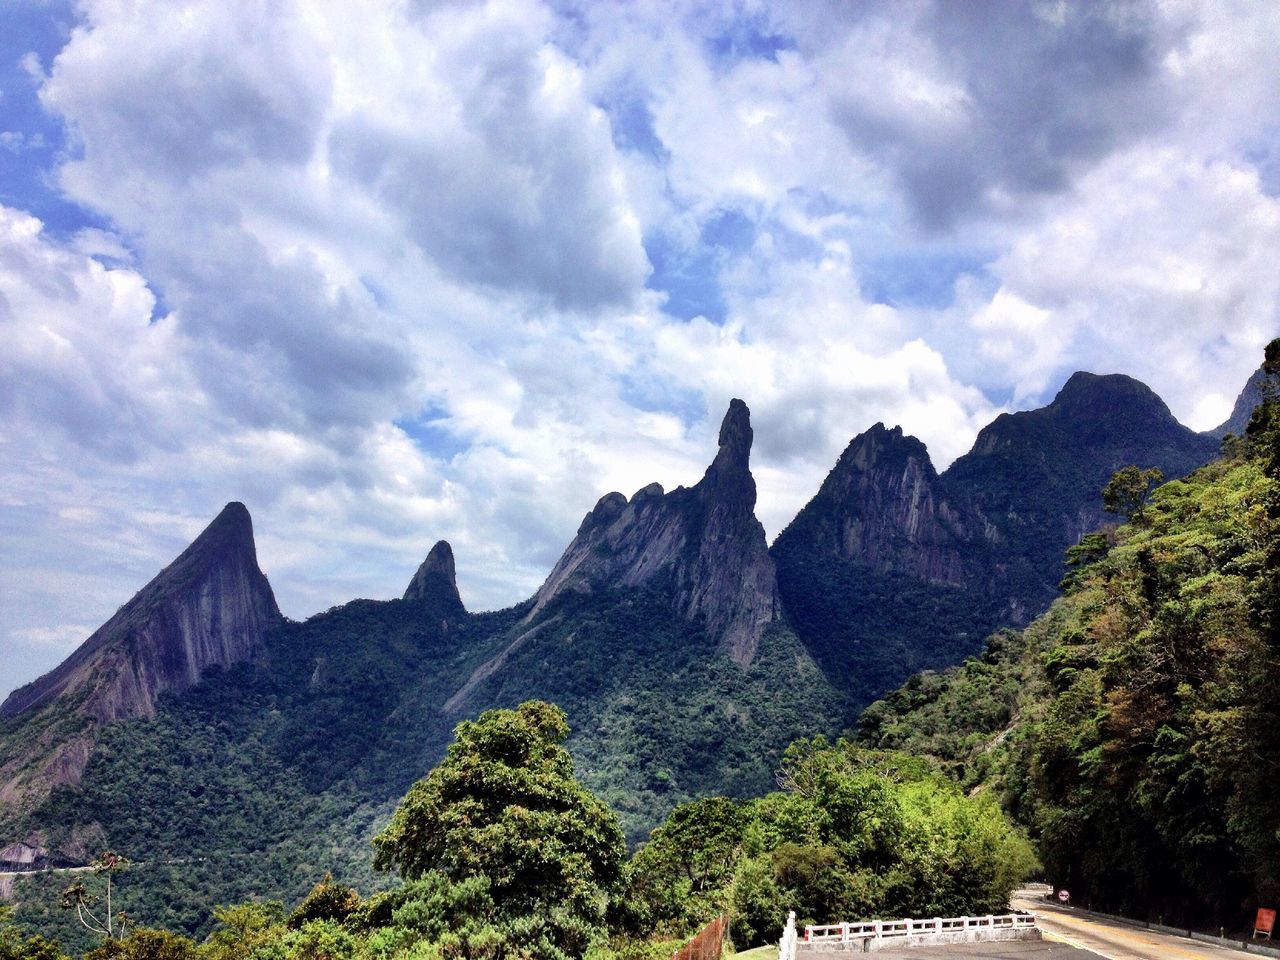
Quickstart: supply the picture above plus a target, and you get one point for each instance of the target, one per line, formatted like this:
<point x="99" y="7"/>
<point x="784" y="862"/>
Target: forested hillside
<point x="1130" y="727"/>
<point x="502" y="853"/>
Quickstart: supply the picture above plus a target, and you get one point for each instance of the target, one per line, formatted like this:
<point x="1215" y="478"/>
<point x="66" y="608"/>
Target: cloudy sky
<point x="391" y="271"/>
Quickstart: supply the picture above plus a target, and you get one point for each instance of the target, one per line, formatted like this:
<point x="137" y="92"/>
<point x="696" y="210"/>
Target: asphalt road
<point x="1117" y="941"/>
<point x="1015" y="950"/>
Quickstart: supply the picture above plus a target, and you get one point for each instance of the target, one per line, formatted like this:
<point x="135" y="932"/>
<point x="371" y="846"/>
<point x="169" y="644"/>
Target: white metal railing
<point x="907" y="927"/>
<point x="787" y="945"/>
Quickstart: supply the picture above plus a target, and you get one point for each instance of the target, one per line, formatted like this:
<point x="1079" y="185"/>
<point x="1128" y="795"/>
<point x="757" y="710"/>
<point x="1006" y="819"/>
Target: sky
<point x="394" y="271"/>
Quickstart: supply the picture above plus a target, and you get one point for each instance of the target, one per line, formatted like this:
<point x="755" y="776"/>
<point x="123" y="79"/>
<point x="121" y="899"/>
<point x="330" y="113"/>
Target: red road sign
<point x="1064" y="896"/>
<point x="1265" y="922"/>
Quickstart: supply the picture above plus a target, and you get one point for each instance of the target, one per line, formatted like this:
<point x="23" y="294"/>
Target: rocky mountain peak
<point x="735" y="440"/>
<point x="210" y="606"/>
<point x="1248" y="400"/>
<point x="706" y="537"/>
<point x="876" y="444"/>
<point x="436" y="582"/>
<point x="880" y="507"/>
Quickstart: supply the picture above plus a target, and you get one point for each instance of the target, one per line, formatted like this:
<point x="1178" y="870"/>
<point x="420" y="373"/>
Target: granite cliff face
<point x="1033" y="480"/>
<point x="952" y="557"/>
<point x="436" y="585"/>
<point x="1245" y="404"/>
<point x="881" y="506"/>
<point x="211" y="606"/>
<point x="706" y="538"/>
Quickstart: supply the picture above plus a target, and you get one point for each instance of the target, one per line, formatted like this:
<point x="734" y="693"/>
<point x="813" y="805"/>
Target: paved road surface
<point x="1116" y="941"/>
<point x="1015" y="950"/>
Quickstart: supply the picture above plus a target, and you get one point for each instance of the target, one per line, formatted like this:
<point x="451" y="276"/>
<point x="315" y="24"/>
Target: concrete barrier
<point x="871" y="935"/>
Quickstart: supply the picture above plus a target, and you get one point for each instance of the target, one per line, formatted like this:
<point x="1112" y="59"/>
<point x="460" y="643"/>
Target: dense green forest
<point x="270" y="773"/>
<point x="502" y="852"/>
<point x="1130" y="728"/>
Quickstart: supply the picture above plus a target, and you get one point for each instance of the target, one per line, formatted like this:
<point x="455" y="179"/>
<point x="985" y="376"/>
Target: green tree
<point x="144" y="944"/>
<point x="109" y="923"/>
<point x="504" y="805"/>
<point x="1126" y="492"/>
<point x="15" y="946"/>
<point x="326" y="901"/>
<point x="243" y="928"/>
<point x="678" y="880"/>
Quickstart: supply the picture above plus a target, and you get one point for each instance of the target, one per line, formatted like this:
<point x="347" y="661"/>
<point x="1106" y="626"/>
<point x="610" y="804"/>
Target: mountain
<point x="436" y="584"/>
<point x="212" y="605"/>
<point x="1034" y="479"/>
<point x="241" y="755"/>
<point x="1127" y="727"/>
<point x="209" y="609"/>
<point x="893" y="568"/>
<point x="1245" y="404"/>
<point x="659" y="631"/>
<point x="705" y="539"/>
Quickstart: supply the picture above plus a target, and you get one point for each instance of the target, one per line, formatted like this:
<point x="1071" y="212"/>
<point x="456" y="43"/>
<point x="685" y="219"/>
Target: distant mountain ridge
<point x="686" y="650"/>
<point x="977" y="547"/>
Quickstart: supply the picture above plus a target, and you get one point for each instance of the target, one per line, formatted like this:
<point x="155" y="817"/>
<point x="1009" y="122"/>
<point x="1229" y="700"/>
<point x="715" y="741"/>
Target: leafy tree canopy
<point x="1127" y="490"/>
<point x="504" y="804"/>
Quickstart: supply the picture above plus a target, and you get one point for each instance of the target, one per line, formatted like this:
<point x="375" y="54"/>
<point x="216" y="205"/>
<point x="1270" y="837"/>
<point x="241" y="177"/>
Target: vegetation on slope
<point x="505" y="855"/>
<point x="268" y="774"/>
<point x="1130" y="729"/>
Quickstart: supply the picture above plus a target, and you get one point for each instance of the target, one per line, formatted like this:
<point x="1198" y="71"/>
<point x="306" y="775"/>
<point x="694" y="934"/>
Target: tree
<point x="679" y="879"/>
<point x="144" y="944"/>
<point x="78" y="897"/>
<point x="326" y="901"/>
<point x="504" y="805"/>
<point x="15" y="946"/>
<point x="1126" y="491"/>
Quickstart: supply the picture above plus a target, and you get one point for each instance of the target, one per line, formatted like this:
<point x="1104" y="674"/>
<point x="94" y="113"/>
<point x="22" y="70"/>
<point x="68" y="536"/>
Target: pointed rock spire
<point x="211" y="606"/>
<point x="436" y="582"/>
<point x="736" y="435"/>
<point x="706" y="537"/>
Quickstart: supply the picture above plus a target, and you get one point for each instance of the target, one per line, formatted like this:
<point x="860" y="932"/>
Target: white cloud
<point x="1161" y="266"/>
<point x="378" y="269"/>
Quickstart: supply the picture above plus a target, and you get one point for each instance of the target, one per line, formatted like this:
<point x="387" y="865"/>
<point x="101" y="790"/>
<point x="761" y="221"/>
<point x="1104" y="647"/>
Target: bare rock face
<point x="880" y="506"/>
<point x="1248" y="400"/>
<point x="706" y="538"/>
<point x="436" y="584"/>
<point x="211" y="606"/>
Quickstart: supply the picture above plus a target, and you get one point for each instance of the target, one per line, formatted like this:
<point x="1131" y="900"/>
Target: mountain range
<point x="200" y="727"/>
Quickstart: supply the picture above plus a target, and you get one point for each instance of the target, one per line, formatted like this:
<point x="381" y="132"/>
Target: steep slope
<point x="436" y="584"/>
<point x="212" y="605"/>
<point x="892" y="568"/>
<point x="1127" y="727"/>
<point x="210" y="608"/>
<point x="1034" y="479"/>
<point x="659" y="631"/>
<point x="1245" y="404"/>
<point x="705" y="539"/>
<point x="877" y="571"/>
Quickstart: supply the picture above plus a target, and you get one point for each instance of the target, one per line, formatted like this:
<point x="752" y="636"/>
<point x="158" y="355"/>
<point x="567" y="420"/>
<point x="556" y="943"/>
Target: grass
<point x="767" y="952"/>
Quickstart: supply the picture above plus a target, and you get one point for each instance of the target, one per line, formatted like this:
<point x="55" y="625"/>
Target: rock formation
<point x="1245" y="404"/>
<point x="706" y="538"/>
<point x="211" y="606"/>
<point x="436" y="584"/>
<point x="880" y="506"/>
<point x="980" y="546"/>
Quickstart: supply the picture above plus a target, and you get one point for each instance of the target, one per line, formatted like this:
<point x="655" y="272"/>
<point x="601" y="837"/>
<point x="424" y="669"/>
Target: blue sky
<point x="391" y="272"/>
